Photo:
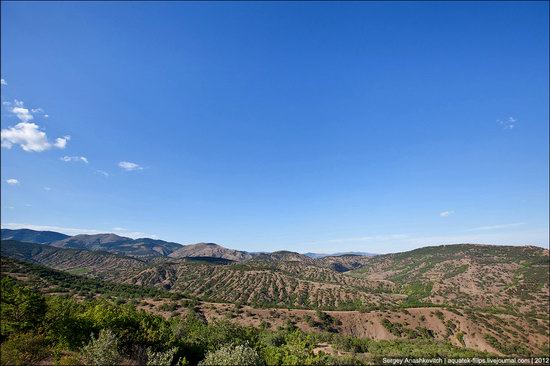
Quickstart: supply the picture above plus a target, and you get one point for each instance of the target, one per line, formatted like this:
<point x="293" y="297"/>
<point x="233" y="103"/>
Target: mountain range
<point x="487" y="297"/>
<point x="142" y="247"/>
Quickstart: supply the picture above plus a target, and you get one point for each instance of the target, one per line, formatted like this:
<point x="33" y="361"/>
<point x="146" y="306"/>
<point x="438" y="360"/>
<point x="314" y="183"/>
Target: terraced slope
<point x="259" y="286"/>
<point x="498" y="334"/>
<point x="505" y="278"/>
<point x="93" y="264"/>
<point x="271" y="281"/>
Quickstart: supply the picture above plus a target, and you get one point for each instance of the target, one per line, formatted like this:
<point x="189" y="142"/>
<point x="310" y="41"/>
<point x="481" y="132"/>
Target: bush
<point x="23" y="349"/>
<point x="70" y="360"/>
<point x="160" y="358"/>
<point x="102" y="350"/>
<point x="232" y="355"/>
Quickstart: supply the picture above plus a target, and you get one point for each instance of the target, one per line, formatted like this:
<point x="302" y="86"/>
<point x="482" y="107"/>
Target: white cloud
<point x="3" y="82"/>
<point x="446" y="213"/>
<point x="61" y="142"/>
<point x="128" y="166"/>
<point x="29" y="137"/>
<point x="12" y="182"/>
<point x="508" y="124"/>
<point x="102" y="172"/>
<point x="22" y="113"/>
<point x="496" y="227"/>
<point x="74" y="159"/>
<point x="47" y="189"/>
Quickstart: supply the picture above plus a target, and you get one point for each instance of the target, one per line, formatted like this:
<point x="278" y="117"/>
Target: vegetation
<point x="89" y="307"/>
<point x="241" y="354"/>
<point x="102" y="332"/>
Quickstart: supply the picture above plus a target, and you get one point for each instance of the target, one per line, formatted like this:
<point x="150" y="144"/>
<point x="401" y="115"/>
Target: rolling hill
<point x="32" y="236"/>
<point x="485" y="297"/>
<point x="210" y="250"/>
<point x="118" y="244"/>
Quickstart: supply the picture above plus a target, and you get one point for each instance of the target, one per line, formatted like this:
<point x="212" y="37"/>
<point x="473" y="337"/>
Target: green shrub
<point x="70" y="360"/>
<point x="102" y="350"/>
<point x="160" y="358"/>
<point x="23" y="349"/>
<point x="232" y="355"/>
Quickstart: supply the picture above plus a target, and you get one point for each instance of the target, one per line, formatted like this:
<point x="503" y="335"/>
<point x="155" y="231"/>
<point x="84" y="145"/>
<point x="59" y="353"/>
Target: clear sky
<point x="375" y="127"/>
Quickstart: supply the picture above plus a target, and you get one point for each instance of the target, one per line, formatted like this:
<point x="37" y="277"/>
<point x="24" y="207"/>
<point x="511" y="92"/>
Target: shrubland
<point x="61" y="330"/>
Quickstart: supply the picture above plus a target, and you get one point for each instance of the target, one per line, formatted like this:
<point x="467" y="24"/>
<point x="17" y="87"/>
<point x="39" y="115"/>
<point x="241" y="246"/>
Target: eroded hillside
<point x="489" y="298"/>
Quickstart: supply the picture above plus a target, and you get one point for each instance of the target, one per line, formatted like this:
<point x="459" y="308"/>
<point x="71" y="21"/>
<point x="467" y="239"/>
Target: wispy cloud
<point x="21" y="112"/>
<point x="128" y="166"/>
<point x="496" y="227"/>
<point x="3" y="82"/>
<point x="369" y="238"/>
<point x="47" y="189"/>
<point x="76" y="231"/>
<point x="519" y="236"/>
<point x="508" y="124"/>
<point x="75" y="159"/>
<point x="65" y="230"/>
<point x="12" y="182"/>
<point x="446" y="213"/>
<point x="102" y="172"/>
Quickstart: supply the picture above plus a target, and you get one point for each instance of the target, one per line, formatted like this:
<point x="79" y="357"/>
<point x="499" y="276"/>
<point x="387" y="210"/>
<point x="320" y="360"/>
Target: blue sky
<point x="377" y="127"/>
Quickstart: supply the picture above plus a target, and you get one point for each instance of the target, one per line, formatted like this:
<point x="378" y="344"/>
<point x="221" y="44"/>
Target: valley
<point x="485" y="298"/>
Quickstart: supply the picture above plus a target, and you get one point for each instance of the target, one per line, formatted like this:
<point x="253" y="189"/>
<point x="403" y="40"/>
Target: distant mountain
<point x="344" y="262"/>
<point x="283" y="256"/>
<point x="210" y="250"/>
<point x="322" y="255"/>
<point x="32" y="236"/>
<point x="118" y="244"/>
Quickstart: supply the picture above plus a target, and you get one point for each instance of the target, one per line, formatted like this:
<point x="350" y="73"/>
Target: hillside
<point x="483" y="330"/>
<point x="490" y="298"/>
<point x="210" y="250"/>
<point x="322" y="255"/>
<point x="509" y="278"/>
<point x="32" y="236"/>
<point x="274" y="283"/>
<point x="118" y="244"/>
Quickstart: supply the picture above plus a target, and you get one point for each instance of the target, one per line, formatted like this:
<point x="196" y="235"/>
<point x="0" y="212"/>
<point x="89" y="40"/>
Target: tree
<point x="21" y="308"/>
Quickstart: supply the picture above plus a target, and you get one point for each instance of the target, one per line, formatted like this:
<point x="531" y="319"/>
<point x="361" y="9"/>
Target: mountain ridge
<point x="32" y="236"/>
